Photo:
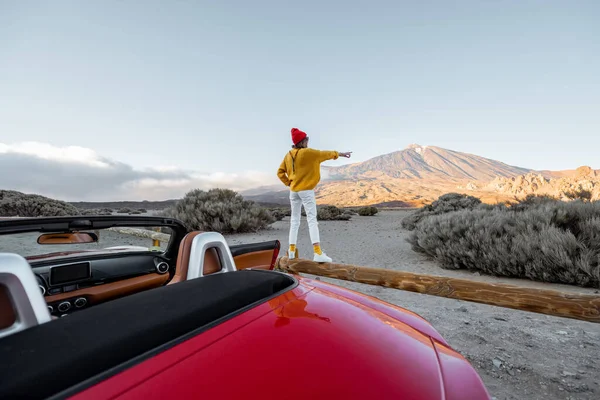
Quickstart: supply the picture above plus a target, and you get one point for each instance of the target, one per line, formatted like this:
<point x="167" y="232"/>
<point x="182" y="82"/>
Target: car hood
<point x="305" y="343"/>
<point x="317" y="344"/>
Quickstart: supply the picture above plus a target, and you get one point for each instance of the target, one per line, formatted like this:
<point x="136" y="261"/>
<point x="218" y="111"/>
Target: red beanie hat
<point x="297" y="136"/>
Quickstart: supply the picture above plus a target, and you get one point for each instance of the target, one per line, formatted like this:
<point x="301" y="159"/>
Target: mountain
<point x="427" y="162"/>
<point x="565" y="183"/>
<point x="418" y="175"/>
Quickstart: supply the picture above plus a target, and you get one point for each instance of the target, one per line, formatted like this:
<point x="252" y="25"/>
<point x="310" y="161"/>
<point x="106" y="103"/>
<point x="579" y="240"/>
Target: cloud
<point x="76" y="173"/>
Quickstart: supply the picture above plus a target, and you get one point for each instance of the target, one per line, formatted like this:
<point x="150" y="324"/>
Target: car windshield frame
<point x="11" y="226"/>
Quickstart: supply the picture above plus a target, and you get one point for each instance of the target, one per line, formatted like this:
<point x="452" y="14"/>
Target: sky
<point x="110" y="100"/>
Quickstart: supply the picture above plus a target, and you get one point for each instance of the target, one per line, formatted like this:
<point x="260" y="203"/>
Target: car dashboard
<point x="70" y="286"/>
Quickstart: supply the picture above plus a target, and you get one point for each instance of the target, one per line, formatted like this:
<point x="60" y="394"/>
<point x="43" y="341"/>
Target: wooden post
<point x="156" y="242"/>
<point x="577" y="306"/>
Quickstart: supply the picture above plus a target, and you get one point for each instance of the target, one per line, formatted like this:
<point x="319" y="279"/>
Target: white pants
<point x="307" y="199"/>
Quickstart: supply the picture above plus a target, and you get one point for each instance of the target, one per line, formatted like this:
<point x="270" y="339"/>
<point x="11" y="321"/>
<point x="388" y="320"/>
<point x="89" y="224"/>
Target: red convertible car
<point x="103" y="317"/>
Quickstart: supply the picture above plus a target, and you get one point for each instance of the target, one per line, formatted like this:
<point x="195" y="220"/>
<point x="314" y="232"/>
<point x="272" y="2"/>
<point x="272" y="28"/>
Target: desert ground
<point x="519" y="355"/>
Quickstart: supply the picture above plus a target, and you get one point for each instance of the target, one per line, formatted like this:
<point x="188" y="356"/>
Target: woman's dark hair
<point x="300" y="144"/>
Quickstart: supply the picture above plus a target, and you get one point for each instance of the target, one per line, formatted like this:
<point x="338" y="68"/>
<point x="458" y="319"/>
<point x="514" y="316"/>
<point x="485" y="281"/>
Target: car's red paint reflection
<point x="308" y="343"/>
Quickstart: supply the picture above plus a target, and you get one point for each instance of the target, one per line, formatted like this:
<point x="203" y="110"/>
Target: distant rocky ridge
<point x="419" y="174"/>
<point x="583" y="179"/>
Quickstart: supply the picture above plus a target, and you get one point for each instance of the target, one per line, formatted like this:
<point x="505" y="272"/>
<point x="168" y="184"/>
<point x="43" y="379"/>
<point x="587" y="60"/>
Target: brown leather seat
<point x="8" y="315"/>
<point x="212" y="263"/>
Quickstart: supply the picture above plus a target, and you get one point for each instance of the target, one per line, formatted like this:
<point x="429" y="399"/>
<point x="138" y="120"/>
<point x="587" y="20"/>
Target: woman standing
<point x="300" y="170"/>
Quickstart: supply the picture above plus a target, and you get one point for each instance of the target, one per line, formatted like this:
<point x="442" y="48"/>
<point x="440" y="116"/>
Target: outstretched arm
<point x="324" y="155"/>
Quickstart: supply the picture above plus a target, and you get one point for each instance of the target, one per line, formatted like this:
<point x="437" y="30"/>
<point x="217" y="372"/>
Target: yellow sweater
<point x="301" y="168"/>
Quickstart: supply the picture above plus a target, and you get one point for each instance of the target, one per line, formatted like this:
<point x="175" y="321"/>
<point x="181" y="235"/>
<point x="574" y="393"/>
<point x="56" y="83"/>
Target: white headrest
<point x="28" y="303"/>
<point x="200" y="244"/>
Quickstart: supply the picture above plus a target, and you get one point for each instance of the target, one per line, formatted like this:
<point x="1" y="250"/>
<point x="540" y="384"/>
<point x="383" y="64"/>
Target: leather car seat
<point x="212" y="263"/>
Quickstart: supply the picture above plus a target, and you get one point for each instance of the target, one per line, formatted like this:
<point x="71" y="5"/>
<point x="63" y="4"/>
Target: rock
<point x="562" y="333"/>
<point x="462" y="309"/>
<point x="500" y="319"/>
<point x="497" y="363"/>
<point x="568" y="374"/>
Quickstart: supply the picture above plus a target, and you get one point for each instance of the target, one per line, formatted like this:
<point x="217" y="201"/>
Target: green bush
<point x="17" y="204"/>
<point x="444" y="204"/>
<point x="124" y="210"/>
<point x="368" y="211"/>
<point x="540" y="239"/>
<point x="220" y="210"/>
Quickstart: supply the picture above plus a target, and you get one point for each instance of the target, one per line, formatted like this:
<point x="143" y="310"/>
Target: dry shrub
<point x="539" y="239"/>
<point x="332" y="213"/>
<point x="367" y="211"/>
<point x="444" y="204"/>
<point x="220" y="210"/>
<point x="280" y="212"/>
<point x="17" y="204"/>
<point x="97" y="211"/>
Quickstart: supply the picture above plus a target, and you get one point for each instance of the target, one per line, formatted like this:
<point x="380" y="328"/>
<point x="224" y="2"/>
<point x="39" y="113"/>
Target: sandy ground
<point x="519" y="355"/>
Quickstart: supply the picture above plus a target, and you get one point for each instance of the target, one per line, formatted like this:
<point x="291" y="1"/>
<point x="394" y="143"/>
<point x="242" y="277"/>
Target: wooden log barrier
<point x="577" y="306"/>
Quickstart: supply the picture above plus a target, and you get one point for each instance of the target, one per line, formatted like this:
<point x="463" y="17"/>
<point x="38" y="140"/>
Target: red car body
<point x="241" y="331"/>
<point x="316" y="341"/>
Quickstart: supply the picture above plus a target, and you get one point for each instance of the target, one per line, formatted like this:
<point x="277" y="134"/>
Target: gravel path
<point x="519" y="355"/>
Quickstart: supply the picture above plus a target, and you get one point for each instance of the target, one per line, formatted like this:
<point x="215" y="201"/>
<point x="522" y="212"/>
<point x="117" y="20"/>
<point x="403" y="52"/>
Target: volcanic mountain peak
<point x="426" y="162"/>
<point x="416" y="147"/>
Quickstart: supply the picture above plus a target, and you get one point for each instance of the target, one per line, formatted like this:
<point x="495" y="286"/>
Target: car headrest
<point x="204" y="243"/>
<point x="208" y="252"/>
<point x="22" y="305"/>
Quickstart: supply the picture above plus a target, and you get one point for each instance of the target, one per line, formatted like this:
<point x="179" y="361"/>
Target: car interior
<point x="126" y="318"/>
<point x="73" y="282"/>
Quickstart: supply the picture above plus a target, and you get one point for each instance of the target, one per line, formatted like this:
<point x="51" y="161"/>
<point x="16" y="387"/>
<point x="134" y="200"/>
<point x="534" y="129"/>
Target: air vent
<point x="80" y="302"/>
<point x="64" y="306"/>
<point x="41" y="284"/>
<point x="162" y="267"/>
